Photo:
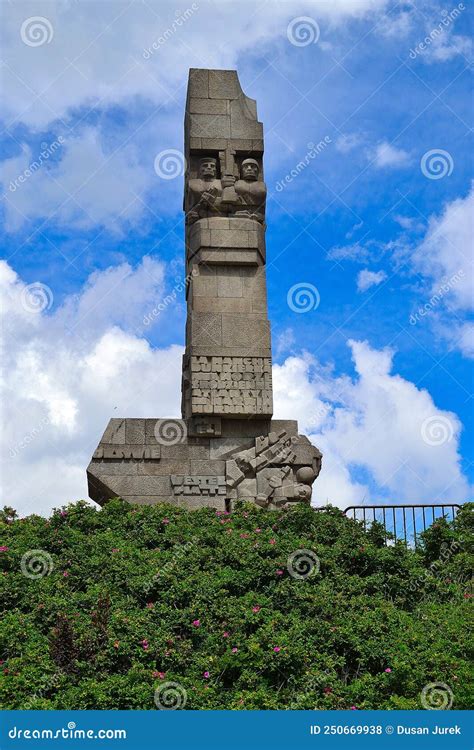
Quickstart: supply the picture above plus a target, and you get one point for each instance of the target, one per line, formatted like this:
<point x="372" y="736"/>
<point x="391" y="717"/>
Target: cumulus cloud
<point x="376" y="423"/>
<point x="444" y="259"/>
<point x="67" y="371"/>
<point x="385" y="155"/>
<point x="366" y="279"/>
<point x="98" y="54"/>
<point x="446" y="250"/>
<point x="86" y="186"/>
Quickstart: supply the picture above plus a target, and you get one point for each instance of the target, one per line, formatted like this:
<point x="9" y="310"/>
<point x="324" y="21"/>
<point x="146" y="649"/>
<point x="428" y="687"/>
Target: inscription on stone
<point x="198" y="485"/>
<point x="231" y="385"/>
<point x="139" y="452"/>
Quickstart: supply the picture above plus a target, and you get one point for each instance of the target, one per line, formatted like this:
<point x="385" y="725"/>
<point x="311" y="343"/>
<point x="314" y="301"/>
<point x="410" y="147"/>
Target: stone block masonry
<point x="226" y="445"/>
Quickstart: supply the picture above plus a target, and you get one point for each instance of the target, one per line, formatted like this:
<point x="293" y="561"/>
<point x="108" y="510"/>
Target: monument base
<point x="148" y="461"/>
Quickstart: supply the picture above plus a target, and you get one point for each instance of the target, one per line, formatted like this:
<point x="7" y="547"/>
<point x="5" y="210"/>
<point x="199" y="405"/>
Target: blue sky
<point x="377" y="221"/>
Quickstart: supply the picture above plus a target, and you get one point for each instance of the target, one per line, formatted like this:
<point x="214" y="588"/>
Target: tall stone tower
<point x="226" y="446"/>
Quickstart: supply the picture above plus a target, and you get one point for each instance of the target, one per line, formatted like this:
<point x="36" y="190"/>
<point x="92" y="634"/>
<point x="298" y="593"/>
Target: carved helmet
<point x="251" y="161"/>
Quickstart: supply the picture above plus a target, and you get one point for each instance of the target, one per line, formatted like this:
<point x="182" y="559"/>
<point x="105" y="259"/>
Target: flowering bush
<point x="157" y="594"/>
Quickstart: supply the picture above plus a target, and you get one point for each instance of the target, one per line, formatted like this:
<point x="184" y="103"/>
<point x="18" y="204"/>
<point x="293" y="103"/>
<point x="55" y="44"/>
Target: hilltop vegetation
<point x="136" y="598"/>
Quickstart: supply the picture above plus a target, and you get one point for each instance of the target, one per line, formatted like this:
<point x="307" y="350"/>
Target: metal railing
<point x="403" y="522"/>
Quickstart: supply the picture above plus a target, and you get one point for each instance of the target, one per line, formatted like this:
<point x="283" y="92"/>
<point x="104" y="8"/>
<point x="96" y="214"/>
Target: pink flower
<point x="354" y="708"/>
<point x="165" y="520"/>
<point x="197" y="623"/>
<point x="3" y="549"/>
<point x="244" y="536"/>
<point x="272" y="541"/>
<point x="150" y="605"/>
<point x="63" y="513"/>
<point x="206" y="675"/>
<point x="144" y="644"/>
<point x="327" y="690"/>
<point x="277" y="649"/>
<point x="279" y="572"/>
<point x="65" y="574"/>
<point x="115" y="549"/>
<point x="388" y="670"/>
<point x="256" y="608"/>
<point x="234" y="650"/>
<point x="225" y="634"/>
<point x="258" y="531"/>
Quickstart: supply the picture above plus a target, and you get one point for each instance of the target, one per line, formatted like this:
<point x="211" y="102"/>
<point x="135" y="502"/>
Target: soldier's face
<point x="250" y="172"/>
<point x="207" y="170"/>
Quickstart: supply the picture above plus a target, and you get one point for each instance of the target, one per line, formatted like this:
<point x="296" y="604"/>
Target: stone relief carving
<point x="243" y="196"/>
<point x="272" y="464"/>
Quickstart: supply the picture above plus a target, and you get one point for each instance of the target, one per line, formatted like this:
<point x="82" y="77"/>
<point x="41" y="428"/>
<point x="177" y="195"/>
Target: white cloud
<point x="446" y="250"/>
<point x="466" y="340"/>
<point x="387" y="155"/>
<point x="366" y="279"/>
<point x="96" y="53"/>
<point x="444" y="258"/>
<point x="347" y="142"/>
<point x="378" y="423"/>
<point x="87" y="186"/>
<point x="356" y="252"/>
<point x="68" y="371"/>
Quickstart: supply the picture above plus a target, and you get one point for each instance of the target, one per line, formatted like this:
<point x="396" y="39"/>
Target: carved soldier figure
<point x="251" y="191"/>
<point x="204" y="193"/>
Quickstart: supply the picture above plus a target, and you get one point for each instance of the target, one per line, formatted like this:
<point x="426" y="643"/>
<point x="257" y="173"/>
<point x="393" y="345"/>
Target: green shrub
<point x="136" y="597"/>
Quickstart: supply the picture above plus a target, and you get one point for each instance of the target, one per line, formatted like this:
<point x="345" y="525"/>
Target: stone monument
<point x="226" y="446"/>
